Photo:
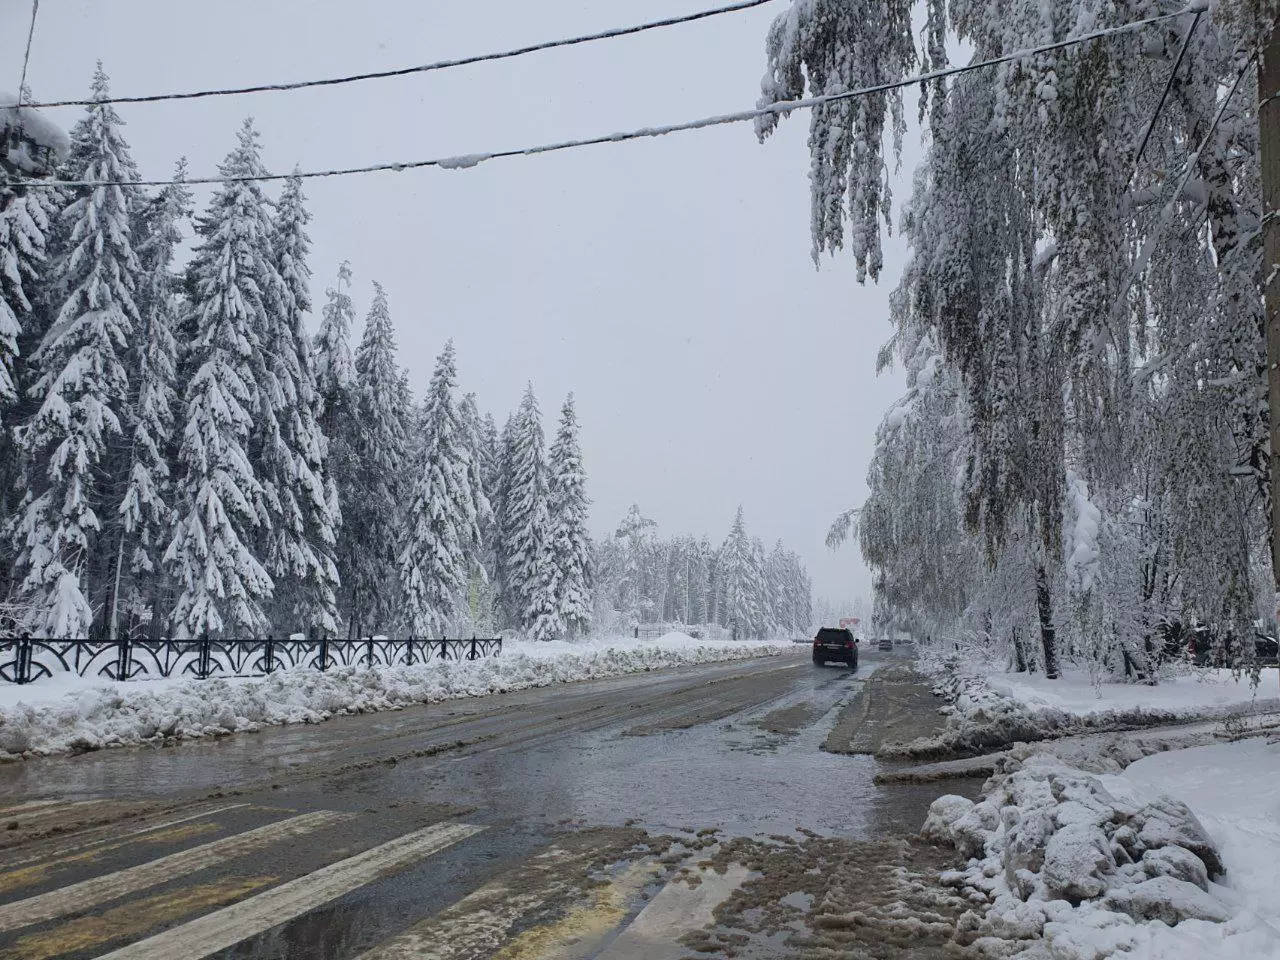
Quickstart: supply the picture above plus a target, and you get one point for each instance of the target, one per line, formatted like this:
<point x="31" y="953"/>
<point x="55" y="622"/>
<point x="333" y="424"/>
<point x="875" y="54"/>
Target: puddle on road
<point x="730" y="775"/>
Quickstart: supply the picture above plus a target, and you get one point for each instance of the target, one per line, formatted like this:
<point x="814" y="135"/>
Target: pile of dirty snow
<point x="1065" y="865"/>
<point x="73" y="714"/>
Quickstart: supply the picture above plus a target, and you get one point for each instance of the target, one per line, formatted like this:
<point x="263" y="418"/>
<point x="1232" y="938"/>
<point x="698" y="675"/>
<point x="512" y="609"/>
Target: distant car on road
<point x="885" y="644"/>
<point x="835" y="643"/>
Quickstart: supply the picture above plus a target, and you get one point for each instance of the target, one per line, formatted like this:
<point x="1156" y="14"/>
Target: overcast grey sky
<point x="666" y="282"/>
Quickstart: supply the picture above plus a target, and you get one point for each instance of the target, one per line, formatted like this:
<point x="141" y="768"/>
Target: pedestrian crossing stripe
<point x="112" y="886"/>
<point x="493" y="921"/>
<point x="34" y="873"/>
<point x="115" y="839"/>
<point x="225" y="928"/>
<point x="478" y="923"/>
<point x="132" y="919"/>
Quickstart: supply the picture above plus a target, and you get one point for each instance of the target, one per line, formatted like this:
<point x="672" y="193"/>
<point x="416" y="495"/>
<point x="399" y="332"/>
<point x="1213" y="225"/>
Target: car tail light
<point x="849" y="645"/>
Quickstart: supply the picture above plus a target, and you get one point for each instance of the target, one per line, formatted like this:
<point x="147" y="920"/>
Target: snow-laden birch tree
<point x="1099" y="311"/>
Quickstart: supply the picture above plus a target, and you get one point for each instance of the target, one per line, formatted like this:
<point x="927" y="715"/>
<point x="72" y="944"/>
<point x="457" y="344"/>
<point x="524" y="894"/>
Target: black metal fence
<point x="24" y="659"/>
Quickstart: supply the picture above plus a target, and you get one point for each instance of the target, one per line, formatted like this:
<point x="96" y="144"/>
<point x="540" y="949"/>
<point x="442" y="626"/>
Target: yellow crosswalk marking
<point x="116" y="837"/>
<point x="98" y="890"/>
<point x="38" y="872"/>
<point x="226" y="927"/>
<point x="481" y="922"/>
<point x="131" y="919"/>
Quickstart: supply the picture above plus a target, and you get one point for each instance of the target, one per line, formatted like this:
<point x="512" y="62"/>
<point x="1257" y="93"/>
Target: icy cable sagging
<point x="1056" y="859"/>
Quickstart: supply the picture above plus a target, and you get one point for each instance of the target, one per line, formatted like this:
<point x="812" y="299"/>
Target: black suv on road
<point x="834" y="643"/>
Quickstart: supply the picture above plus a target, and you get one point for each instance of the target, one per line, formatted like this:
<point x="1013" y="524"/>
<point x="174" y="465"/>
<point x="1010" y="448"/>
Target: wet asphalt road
<point x="484" y="787"/>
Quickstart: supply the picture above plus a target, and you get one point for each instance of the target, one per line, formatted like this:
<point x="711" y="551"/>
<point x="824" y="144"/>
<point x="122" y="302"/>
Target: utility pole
<point x="1269" y="156"/>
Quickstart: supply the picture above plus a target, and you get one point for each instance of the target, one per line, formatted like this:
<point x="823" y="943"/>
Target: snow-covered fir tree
<point x="525" y="516"/>
<point x="374" y="503"/>
<point x="641" y="577"/>
<point x="82" y="387"/>
<point x="145" y="510"/>
<point x="300" y="552"/>
<point x="331" y="350"/>
<point x="740" y="584"/>
<point x="504" y="535"/>
<point x="26" y="221"/>
<point x="479" y="474"/>
<point x="337" y="392"/>
<point x="568" y="542"/>
<point x="222" y="583"/>
<point x="440" y="543"/>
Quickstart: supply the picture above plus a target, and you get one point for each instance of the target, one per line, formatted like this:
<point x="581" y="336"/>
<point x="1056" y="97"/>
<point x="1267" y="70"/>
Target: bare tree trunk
<point x="1048" y="636"/>
<point x="1019" y="654"/>
<point x="1269" y="155"/>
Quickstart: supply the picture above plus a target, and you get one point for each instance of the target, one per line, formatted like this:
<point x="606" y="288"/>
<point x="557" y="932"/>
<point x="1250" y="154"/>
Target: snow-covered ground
<point x="1190" y="694"/>
<point x="1177" y="859"/>
<point x="993" y="709"/>
<point x="69" y="713"/>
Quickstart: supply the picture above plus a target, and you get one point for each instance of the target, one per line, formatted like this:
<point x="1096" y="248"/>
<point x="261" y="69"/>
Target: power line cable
<point x="466" y="161"/>
<point x="1164" y="95"/>
<point x="426" y="67"/>
<point x="26" y="58"/>
<point x="1166" y="215"/>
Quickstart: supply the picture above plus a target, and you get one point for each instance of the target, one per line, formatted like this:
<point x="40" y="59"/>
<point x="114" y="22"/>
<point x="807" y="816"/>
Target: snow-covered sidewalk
<point x="1177" y="859"/>
<point x="67" y="713"/>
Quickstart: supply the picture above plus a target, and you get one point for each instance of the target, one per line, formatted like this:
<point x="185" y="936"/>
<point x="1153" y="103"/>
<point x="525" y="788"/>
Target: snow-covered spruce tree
<point x="25" y="223"/>
<point x="480" y="545"/>
<point x="303" y="533"/>
<point x="636" y="535"/>
<point x="82" y="387"/>
<point x="504" y="534"/>
<point x="526" y="520"/>
<point x="336" y="390"/>
<point x="740" y="581"/>
<point x="569" y="543"/>
<point x="331" y="358"/>
<point x="222" y="582"/>
<point x="441" y="527"/>
<point x="374" y="504"/>
<point x="137" y="589"/>
<point x="788" y="589"/>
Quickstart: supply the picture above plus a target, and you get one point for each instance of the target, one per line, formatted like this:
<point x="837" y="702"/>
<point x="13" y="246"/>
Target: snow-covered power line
<point x="466" y="161"/>
<point x="428" y="67"/>
<point x="26" y="56"/>
<point x="1164" y="94"/>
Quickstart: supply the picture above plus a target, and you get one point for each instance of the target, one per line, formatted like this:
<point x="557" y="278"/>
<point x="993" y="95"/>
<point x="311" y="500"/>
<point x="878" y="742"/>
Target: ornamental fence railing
<point x="25" y="659"/>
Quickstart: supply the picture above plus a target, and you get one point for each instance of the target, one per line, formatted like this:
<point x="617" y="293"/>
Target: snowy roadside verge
<point x="1177" y="859"/>
<point x="991" y="712"/>
<point x="70" y="714"/>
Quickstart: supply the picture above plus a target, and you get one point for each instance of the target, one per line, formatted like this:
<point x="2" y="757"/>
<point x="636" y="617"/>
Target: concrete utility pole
<point x="1269" y="154"/>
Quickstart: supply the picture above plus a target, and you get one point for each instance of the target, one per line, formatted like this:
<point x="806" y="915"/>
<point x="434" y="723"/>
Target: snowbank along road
<point x="638" y="817"/>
